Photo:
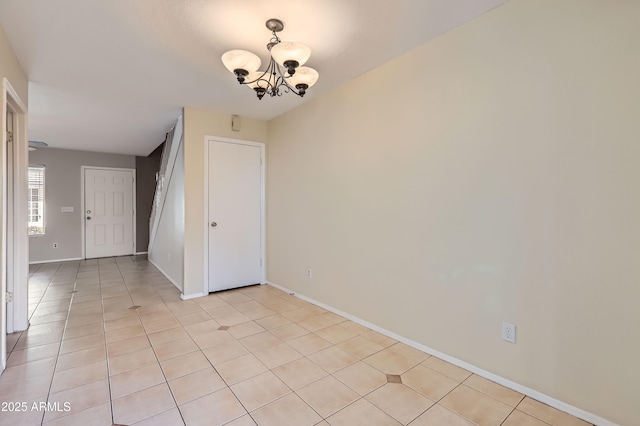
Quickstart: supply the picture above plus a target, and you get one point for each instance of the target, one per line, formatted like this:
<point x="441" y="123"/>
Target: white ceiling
<point x="112" y="75"/>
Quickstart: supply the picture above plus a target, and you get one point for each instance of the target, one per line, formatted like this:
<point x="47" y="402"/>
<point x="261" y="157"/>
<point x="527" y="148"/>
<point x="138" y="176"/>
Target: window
<point x="36" y="200"/>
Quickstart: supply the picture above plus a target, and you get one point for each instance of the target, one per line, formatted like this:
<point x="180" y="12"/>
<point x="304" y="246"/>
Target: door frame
<point x="263" y="233"/>
<point x="82" y="216"/>
<point x="16" y="315"/>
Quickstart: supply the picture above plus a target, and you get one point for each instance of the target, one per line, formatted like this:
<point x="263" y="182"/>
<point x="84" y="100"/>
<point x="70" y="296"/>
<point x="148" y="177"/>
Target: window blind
<point x="36" y="200"/>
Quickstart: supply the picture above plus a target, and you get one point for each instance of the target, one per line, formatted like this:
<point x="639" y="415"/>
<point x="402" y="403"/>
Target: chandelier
<point x="284" y="73"/>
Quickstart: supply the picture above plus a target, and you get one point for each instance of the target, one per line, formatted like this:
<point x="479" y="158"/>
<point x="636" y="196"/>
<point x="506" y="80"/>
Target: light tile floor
<point x="111" y="342"/>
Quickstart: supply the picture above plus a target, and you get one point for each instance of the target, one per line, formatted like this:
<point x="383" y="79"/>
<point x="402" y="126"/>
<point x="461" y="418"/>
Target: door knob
<point x="213" y="224"/>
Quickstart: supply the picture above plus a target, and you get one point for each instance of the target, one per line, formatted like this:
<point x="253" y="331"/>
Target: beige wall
<point x="490" y="175"/>
<point x="197" y="125"/>
<point x="16" y="268"/>
<point x="10" y="68"/>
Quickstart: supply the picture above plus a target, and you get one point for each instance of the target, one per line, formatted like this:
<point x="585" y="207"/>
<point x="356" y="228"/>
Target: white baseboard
<point x="191" y="296"/>
<point x="35" y="262"/>
<point x="141" y="252"/>
<point x="538" y="396"/>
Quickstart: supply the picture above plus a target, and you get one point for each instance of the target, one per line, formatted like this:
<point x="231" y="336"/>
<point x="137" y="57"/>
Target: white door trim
<point x="20" y="259"/>
<point x="82" y="216"/>
<point x="205" y="225"/>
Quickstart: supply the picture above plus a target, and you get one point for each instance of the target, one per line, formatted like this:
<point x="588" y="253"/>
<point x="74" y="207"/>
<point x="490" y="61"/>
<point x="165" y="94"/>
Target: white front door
<point x="108" y="212"/>
<point x="235" y="212"/>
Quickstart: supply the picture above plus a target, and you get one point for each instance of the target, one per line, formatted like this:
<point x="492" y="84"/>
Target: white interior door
<point x="235" y="215"/>
<point x="108" y="212"/>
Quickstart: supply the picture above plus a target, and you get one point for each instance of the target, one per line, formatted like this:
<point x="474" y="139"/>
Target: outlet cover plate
<point x="508" y="332"/>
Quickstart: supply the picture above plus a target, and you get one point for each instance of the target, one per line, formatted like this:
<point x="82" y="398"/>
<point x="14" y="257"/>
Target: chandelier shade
<point x="290" y="54"/>
<point x="284" y="73"/>
<point x="241" y="62"/>
<point x="304" y="78"/>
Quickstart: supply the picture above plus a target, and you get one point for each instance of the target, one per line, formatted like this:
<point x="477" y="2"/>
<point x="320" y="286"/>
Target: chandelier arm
<point x="259" y="78"/>
<point x="274" y="81"/>
<point x="282" y="86"/>
<point x="287" y="87"/>
<point x="274" y="40"/>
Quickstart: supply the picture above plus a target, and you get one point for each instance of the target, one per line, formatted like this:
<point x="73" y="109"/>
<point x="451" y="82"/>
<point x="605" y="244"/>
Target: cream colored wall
<point x="11" y="69"/>
<point x="490" y="175"/>
<point x="197" y="125"/>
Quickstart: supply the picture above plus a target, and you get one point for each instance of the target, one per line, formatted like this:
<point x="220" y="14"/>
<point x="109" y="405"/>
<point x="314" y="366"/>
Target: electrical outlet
<point x="308" y="272"/>
<point x="55" y="245"/>
<point x="508" y="332"/>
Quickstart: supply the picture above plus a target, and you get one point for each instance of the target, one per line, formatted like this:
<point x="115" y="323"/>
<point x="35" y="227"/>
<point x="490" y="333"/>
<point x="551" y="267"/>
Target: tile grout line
<point x="64" y="331"/>
<point x="229" y="386"/>
<point x="106" y="348"/>
<point x="332" y="374"/>
<point x="166" y="380"/>
<point x="515" y="407"/>
<point x="31" y="274"/>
